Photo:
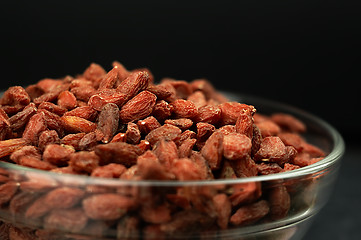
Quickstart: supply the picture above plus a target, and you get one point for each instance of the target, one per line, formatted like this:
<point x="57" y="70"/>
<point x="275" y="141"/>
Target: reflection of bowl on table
<point x="308" y="187"/>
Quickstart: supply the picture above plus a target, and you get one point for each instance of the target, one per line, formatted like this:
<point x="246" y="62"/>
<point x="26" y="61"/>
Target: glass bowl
<point x="119" y="207"/>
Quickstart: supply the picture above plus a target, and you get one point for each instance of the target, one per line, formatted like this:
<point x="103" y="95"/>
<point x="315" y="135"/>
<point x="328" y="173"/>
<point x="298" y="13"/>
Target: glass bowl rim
<point x="334" y="155"/>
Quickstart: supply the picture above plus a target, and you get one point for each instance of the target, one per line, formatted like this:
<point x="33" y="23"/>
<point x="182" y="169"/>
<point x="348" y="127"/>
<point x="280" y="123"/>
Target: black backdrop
<point x="302" y="52"/>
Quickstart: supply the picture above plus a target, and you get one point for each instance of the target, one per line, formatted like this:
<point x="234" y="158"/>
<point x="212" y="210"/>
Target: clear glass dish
<point x="308" y="187"/>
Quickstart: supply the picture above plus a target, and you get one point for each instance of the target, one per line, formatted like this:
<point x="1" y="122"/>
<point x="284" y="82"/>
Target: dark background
<point x="306" y="53"/>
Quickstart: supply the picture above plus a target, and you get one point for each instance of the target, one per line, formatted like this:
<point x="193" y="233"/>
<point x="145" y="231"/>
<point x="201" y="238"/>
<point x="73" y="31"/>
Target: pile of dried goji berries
<point x="121" y="124"/>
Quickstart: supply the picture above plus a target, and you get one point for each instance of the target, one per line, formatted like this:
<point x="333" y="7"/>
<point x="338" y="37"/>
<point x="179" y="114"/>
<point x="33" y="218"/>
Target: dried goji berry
<point x="182" y="123"/>
<point x="184" y="136"/>
<point x="72" y="140"/>
<point x="160" y="90"/>
<point x="75" y="124"/>
<point x="46" y="97"/>
<point x="204" y="131"/>
<point x="138" y="107"/>
<point x="184" y="109"/>
<point x="15" y="95"/>
<point x="101" y="98"/>
<point x="198" y="98"/>
<point x="204" y="170"/>
<point x="182" y="88"/>
<point x="148" y="124"/>
<point x="34" y="128"/>
<point x="94" y="73"/>
<point x="112" y="170"/>
<point x="120" y="137"/>
<point x="4" y="124"/>
<point x="144" y="145"/>
<point x="34" y="91"/>
<point x="108" y="121"/>
<point x="149" y="168"/>
<point x="20" y="119"/>
<point x="244" y="193"/>
<point x="53" y="121"/>
<point x="227" y="129"/>
<point x="63" y="197"/>
<point x="213" y="150"/>
<point x="20" y="202"/>
<point x="51" y="107"/>
<point x="7" y="191"/>
<point x="83" y="93"/>
<point x="187" y="221"/>
<point x="48" y="137"/>
<point x="185" y="149"/>
<point x="245" y="167"/>
<point x="268" y="168"/>
<point x="272" y="149"/>
<point x="107" y="206"/>
<point x="7" y="147"/>
<point x="85" y="112"/>
<point x="250" y="214"/>
<point x="209" y="114"/>
<point x="29" y="151"/>
<point x="166" y="151"/>
<point x="232" y="110"/>
<point x="88" y="142"/>
<point x="167" y="132"/>
<point x="244" y="124"/>
<point x="80" y="82"/>
<point x="279" y="202"/>
<point x="223" y="208"/>
<point x="313" y="150"/>
<point x="292" y="139"/>
<point x="185" y="169"/>
<point x="34" y="162"/>
<point x="57" y="154"/>
<point x="290" y="167"/>
<point x="208" y="90"/>
<point x="236" y="146"/>
<point x="37" y="209"/>
<point x="67" y="100"/>
<point x="157" y="215"/>
<point x="110" y="79"/>
<point x="48" y="84"/>
<point x="118" y="152"/>
<point x="268" y="128"/>
<point x="288" y="122"/>
<point x="84" y="161"/>
<point x="256" y="140"/>
<point x="134" y="83"/>
<point x="70" y="220"/>
<point x="132" y="134"/>
<point x="162" y="110"/>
